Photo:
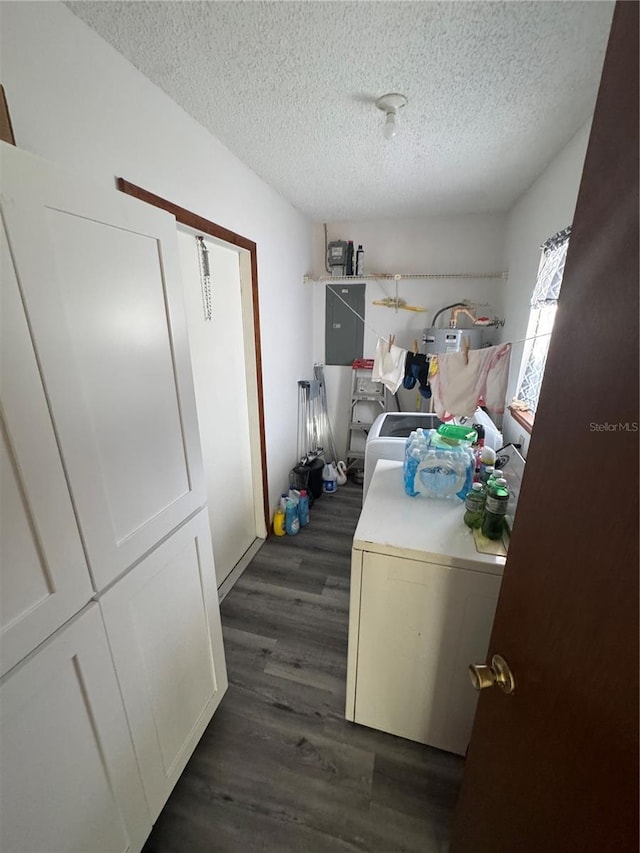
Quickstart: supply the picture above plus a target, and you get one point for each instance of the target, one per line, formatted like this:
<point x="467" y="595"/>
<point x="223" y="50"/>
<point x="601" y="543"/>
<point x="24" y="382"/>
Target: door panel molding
<point x="44" y="577"/>
<point x="71" y="780"/>
<point x="164" y="630"/>
<point x="114" y="423"/>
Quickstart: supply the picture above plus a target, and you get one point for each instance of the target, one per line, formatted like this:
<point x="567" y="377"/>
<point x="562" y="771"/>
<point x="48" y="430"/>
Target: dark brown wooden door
<point x="555" y="766"/>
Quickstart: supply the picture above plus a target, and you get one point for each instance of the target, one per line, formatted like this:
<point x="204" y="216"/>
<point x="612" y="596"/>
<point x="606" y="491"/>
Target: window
<point x="544" y="303"/>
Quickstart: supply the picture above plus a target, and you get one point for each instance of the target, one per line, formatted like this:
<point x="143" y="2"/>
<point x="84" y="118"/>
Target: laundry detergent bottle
<point x="329" y="479"/>
<point x="303" y="508"/>
<point x="291" y="520"/>
<point x="279" y="522"/>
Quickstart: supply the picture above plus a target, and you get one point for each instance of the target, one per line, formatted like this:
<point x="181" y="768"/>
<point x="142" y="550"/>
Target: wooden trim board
<point x="6" y="128"/>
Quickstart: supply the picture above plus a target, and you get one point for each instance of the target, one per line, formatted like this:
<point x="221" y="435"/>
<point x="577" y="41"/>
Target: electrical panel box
<point x="344" y="331"/>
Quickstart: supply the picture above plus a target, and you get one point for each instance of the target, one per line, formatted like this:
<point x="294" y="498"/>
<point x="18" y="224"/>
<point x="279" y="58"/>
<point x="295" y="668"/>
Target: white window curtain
<point x="544" y="303"/>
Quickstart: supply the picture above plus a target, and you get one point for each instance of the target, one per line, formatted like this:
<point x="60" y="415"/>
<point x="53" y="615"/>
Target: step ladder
<point x="368" y="400"/>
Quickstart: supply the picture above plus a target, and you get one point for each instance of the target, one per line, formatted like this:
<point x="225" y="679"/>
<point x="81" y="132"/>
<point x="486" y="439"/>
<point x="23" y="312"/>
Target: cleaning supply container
<point x="329" y="479"/>
<point x="291" y="520"/>
<point x="279" y="522"/>
<point x="303" y="508"/>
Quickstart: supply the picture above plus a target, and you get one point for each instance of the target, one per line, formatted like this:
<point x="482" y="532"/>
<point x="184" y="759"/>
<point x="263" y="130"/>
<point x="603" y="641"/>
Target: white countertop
<point x="393" y="523"/>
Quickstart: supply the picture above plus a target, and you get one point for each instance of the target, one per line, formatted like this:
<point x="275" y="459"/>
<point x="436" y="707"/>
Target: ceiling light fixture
<point x="390" y="104"/>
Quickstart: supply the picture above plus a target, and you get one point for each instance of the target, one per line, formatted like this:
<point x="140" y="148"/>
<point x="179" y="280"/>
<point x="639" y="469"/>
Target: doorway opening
<point x="225" y="353"/>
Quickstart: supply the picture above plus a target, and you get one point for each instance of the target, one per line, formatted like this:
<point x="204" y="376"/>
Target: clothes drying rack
<point x="315" y="437"/>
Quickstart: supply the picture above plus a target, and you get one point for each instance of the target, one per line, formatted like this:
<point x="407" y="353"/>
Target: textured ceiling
<point x="495" y="89"/>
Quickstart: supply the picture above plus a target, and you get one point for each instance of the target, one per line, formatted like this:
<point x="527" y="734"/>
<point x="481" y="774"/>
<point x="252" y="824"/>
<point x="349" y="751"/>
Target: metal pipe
<point x="453" y="322"/>
<point x="446" y="308"/>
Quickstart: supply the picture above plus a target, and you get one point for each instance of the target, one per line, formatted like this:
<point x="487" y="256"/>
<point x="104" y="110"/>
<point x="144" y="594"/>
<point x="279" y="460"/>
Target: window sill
<point x="525" y="419"/>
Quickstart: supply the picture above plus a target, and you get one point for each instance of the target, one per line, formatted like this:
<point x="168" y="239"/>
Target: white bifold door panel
<point x="100" y="279"/>
<point x="163" y="625"/>
<point x="44" y="577"/>
<point x="66" y="749"/>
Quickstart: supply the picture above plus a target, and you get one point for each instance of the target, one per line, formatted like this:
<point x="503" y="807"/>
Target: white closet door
<point x="100" y="278"/>
<point x="220" y="380"/>
<point x="69" y="776"/>
<point x="163" y="625"/>
<point x="44" y="577"/>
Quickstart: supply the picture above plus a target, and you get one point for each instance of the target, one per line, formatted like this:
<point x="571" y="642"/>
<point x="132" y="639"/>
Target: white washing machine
<point x="390" y="430"/>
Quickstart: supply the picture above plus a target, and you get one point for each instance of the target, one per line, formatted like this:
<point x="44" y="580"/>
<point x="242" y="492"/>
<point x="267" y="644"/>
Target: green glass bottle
<point x="474" y="506"/>
<point x="495" y="509"/>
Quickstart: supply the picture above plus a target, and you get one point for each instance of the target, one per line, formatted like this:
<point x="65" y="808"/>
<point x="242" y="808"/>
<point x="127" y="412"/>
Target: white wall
<point x="75" y="101"/>
<point x="545" y="208"/>
<point x="457" y="244"/>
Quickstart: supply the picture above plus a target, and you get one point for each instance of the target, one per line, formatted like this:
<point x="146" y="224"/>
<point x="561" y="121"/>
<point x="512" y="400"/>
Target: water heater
<point x="450" y="340"/>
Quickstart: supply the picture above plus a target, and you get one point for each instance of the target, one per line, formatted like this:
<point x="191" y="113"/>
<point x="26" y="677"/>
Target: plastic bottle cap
<point x="303" y="493"/>
<point x="501" y="481"/>
<point x="477" y="487"/>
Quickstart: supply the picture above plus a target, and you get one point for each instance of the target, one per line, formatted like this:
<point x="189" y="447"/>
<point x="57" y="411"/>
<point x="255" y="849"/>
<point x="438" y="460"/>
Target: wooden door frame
<point x="212" y="229"/>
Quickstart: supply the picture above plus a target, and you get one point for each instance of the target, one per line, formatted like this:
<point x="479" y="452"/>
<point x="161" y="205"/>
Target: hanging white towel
<point x="459" y="388"/>
<point x="388" y="365"/>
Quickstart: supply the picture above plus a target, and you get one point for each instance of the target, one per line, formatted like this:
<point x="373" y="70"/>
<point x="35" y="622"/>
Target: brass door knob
<point x="498" y="673"/>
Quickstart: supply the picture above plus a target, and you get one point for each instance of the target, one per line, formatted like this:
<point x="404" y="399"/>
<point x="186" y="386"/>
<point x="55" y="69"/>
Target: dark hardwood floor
<point x="279" y="769"/>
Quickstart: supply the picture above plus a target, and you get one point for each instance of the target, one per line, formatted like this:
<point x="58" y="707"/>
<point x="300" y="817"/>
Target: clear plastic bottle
<point x="495" y="510"/>
<point x="433" y="469"/>
<point x="474" y="506"/>
<point x="412" y="460"/>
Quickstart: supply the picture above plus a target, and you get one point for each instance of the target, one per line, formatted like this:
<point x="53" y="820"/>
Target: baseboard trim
<point x="231" y="579"/>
